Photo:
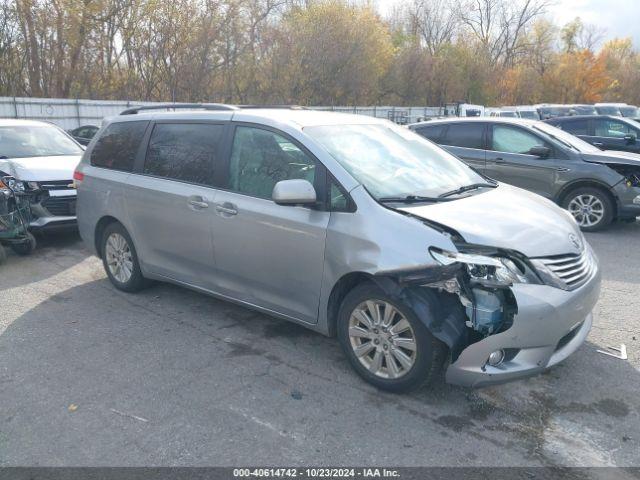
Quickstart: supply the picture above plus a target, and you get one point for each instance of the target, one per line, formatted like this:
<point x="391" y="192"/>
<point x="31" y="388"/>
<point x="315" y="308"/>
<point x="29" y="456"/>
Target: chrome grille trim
<point x="573" y="269"/>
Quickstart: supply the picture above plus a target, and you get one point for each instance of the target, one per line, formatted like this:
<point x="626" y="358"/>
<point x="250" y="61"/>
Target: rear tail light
<point x="77" y="178"/>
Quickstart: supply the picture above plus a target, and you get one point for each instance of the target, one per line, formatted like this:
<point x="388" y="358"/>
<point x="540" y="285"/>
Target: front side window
<point x="118" y="146"/>
<point x="467" y="135"/>
<point x="391" y="161"/>
<point x="22" y="141"/>
<point x="612" y="128"/>
<point x="509" y="139"/>
<point x="576" y="127"/>
<point x="261" y="158"/>
<point x="187" y="152"/>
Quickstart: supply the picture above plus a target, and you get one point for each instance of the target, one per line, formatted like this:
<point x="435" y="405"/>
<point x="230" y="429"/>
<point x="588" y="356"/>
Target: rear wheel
<point x="385" y="342"/>
<point x="120" y="259"/>
<point x="592" y="208"/>
<point x="3" y="255"/>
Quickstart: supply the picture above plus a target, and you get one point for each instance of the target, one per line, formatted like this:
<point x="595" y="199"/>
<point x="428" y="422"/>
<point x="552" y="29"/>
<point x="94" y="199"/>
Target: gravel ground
<point x="93" y="376"/>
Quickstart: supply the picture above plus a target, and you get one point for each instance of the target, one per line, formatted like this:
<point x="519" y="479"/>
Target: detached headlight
<point x="13" y="184"/>
<point x="33" y="186"/>
<point x="494" y="270"/>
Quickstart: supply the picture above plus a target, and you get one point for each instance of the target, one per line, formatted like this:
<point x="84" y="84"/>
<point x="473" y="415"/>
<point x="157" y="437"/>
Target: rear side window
<point x="118" y="145"/>
<point x="576" y="127"/>
<point x="467" y="135"/>
<point x="433" y="132"/>
<point x="187" y="152"/>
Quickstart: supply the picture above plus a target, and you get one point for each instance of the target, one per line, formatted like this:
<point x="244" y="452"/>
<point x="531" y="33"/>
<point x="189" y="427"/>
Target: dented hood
<point x="506" y="217"/>
<point x="613" y="157"/>
<point x="39" y="169"/>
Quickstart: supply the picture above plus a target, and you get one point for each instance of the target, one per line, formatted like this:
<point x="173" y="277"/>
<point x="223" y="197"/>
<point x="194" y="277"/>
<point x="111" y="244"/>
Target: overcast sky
<point x="620" y="18"/>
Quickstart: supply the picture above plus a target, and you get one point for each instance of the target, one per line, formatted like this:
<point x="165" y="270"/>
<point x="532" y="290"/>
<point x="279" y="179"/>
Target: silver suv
<point x="348" y="225"/>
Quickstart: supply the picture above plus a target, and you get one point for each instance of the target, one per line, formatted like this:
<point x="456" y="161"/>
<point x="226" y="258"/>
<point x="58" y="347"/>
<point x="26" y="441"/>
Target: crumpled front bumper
<point x="550" y="325"/>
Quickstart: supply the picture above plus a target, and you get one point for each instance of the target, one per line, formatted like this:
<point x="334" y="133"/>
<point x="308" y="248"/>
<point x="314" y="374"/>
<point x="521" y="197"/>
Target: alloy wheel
<point x="119" y="257"/>
<point x="382" y="339"/>
<point x="588" y="210"/>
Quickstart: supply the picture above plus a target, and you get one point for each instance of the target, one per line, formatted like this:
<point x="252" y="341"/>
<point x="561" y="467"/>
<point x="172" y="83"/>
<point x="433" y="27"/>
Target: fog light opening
<point x="496" y="358"/>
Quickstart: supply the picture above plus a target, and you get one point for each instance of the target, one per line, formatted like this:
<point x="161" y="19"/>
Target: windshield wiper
<point x="3" y="157"/>
<point x="409" y="199"/>
<point x="466" y="188"/>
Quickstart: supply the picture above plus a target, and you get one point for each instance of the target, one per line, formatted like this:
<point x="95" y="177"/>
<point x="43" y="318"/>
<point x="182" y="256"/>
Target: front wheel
<point x="592" y="208"/>
<point x="26" y="247"/>
<point x="385" y="341"/>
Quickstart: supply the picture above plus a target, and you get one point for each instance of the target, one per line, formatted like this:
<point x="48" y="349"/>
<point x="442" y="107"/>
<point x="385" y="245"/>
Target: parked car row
<point x="547" y="111"/>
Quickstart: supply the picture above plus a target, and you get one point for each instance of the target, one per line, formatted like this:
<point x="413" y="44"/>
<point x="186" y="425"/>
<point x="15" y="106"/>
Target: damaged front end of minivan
<point x="468" y="300"/>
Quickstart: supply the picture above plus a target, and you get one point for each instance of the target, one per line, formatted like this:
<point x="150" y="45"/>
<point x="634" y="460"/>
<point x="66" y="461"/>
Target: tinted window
<point x="261" y="158"/>
<point x="468" y="135"/>
<point x="576" y="127"/>
<point x="118" y="145"/>
<point x="514" y="140"/>
<point x="186" y="152"/>
<point x="433" y="132"/>
<point x="611" y="128"/>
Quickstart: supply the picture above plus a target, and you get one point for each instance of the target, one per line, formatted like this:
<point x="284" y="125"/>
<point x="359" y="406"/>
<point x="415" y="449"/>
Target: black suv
<point x="603" y="131"/>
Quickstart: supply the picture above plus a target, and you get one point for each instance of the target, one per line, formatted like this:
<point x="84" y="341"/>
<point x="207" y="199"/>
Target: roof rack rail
<point x="203" y="106"/>
<point x="288" y="107"/>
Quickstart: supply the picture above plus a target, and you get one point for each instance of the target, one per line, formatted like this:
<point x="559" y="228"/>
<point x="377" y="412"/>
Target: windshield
<point x="21" y="141"/>
<point x="529" y="114"/>
<point x="608" y="110"/>
<point x="630" y="111"/>
<point x="509" y="114"/>
<point x="566" y="139"/>
<point x="548" y="112"/>
<point x="391" y="161"/>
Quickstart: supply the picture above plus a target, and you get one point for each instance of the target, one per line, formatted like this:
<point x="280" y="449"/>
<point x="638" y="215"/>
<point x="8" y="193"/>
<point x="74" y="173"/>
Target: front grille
<point x="573" y="269"/>
<point x="56" y="185"/>
<point x="60" y="206"/>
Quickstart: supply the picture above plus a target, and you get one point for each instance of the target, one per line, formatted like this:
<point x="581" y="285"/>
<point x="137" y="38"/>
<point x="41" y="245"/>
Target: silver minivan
<point x="349" y="225"/>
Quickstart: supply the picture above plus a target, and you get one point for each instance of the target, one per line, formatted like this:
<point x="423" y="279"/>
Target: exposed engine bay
<point x="630" y="173"/>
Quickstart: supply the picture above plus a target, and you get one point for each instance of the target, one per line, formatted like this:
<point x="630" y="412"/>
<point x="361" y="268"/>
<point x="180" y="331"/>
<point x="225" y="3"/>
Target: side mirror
<point x="630" y="139"/>
<point x="540" y="151"/>
<point x="294" y="192"/>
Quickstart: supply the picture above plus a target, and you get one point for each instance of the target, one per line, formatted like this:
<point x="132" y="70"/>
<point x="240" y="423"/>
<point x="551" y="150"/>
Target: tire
<point x="426" y="359"/>
<point x="592" y="208"/>
<point x="3" y="255"/>
<point x="27" y="247"/>
<point x="118" y="251"/>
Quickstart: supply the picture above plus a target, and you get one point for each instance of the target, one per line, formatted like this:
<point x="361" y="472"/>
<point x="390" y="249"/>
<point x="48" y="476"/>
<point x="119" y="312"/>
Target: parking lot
<point x="92" y="376"/>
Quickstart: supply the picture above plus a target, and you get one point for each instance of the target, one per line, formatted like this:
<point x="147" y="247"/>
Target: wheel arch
<point x="344" y="285"/>
<point x="102" y="224"/>
<point x="567" y="189"/>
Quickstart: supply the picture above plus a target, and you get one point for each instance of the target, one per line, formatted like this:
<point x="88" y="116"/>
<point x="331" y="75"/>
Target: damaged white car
<point x="41" y="158"/>
<point x="348" y="225"/>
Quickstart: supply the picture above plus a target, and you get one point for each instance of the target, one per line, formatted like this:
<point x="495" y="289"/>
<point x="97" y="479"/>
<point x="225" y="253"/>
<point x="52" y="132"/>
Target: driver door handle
<point x="498" y="160"/>
<point x="598" y="144"/>
<point x="227" y="209"/>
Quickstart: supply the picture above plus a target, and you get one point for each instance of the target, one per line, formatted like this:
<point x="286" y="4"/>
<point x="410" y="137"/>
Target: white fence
<point x="70" y="114"/>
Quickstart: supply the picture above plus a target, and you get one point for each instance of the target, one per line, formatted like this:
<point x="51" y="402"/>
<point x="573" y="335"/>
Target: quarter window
<point x="118" y="145"/>
<point x="514" y="140"/>
<point x="261" y="158"/>
<point x="467" y="135"/>
<point x="187" y="152"/>
<point x="576" y="127"/>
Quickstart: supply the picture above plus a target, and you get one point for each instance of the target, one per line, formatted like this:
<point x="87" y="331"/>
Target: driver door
<point x="508" y="161"/>
<point x="269" y="255"/>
